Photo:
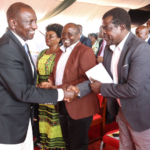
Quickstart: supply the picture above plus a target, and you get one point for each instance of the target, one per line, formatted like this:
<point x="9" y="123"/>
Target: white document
<point x="99" y="73"/>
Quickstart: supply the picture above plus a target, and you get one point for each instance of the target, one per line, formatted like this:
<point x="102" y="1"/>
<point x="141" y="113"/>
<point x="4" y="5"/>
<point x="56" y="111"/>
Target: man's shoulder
<point x="138" y="42"/>
<point x="7" y="41"/>
<point x="85" y="38"/>
<point x="4" y="40"/>
<point x="82" y="47"/>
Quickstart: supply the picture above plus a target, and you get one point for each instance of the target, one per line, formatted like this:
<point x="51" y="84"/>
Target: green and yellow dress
<point x="49" y="126"/>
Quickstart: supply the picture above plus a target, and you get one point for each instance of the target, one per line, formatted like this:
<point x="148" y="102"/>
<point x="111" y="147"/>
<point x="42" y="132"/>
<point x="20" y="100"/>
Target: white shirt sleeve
<point x="60" y="94"/>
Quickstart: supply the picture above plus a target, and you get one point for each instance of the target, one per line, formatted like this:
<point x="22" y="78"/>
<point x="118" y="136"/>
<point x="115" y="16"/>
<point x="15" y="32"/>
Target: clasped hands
<point x="71" y="92"/>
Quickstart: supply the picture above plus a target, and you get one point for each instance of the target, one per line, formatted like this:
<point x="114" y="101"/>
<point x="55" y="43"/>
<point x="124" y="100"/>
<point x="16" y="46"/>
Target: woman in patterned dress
<point x="49" y="127"/>
<point x="95" y="42"/>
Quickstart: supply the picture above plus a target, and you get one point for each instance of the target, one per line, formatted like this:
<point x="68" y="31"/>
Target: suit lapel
<point x="21" y="48"/>
<point x="124" y="52"/>
<point x="70" y="59"/>
<point x="35" y="73"/>
<point x="107" y="60"/>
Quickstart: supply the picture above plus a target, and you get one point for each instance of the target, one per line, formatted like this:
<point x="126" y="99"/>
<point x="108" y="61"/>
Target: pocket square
<point x="125" y="65"/>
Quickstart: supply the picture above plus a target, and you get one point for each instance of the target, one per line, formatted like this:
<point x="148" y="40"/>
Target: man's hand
<point x="34" y="119"/>
<point x="46" y="85"/>
<point x="99" y="59"/>
<point x="95" y="86"/>
<point x="70" y="95"/>
<point x="74" y="88"/>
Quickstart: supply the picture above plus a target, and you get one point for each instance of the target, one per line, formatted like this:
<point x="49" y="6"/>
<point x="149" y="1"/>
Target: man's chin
<point x="30" y="37"/>
<point x="66" y="44"/>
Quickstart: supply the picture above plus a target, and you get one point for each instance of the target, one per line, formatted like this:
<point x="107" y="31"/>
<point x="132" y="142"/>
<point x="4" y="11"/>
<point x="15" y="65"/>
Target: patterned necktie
<point x="101" y="47"/>
<point x="27" y="49"/>
<point x="114" y="65"/>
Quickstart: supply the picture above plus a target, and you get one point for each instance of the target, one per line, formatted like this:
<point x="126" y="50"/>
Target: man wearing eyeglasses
<point x="71" y="63"/>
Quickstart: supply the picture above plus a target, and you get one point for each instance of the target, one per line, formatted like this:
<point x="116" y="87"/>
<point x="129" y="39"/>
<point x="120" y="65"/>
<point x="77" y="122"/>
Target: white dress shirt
<point x="115" y="59"/>
<point x="60" y="91"/>
<point x="62" y="62"/>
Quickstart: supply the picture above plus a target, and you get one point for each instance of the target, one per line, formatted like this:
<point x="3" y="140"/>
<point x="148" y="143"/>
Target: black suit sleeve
<point x="13" y="79"/>
<point x="88" y="43"/>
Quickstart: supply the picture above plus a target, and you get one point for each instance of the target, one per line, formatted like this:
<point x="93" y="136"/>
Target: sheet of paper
<point x="99" y="73"/>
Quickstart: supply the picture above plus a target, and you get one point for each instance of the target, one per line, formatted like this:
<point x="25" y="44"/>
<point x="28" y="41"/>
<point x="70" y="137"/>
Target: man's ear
<point x="12" y="23"/>
<point x="122" y="26"/>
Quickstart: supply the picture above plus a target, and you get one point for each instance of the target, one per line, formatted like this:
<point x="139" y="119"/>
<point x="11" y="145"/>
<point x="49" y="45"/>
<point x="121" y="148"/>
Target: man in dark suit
<point x="18" y="80"/>
<point x="84" y="40"/>
<point x="142" y="32"/>
<point x="126" y="59"/>
<point x="70" y="67"/>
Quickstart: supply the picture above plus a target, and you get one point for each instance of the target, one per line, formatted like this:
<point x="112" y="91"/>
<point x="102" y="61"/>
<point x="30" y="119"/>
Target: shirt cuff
<point x="60" y="94"/>
<point x="79" y="94"/>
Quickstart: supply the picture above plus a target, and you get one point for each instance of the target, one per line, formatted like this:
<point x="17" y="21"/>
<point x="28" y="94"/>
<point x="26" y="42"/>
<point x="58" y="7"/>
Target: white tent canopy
<point x="85" y="12"/>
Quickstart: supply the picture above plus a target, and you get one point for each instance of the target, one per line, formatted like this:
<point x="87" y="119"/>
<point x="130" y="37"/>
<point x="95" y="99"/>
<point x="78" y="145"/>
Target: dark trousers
<point x="36" y="123"/>
<point x="75" y="132"/>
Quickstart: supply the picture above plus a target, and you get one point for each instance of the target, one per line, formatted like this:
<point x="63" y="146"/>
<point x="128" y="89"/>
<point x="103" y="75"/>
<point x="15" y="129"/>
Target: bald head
<point x="142" y="32"/>
<point x="15" y="9"/>
<point x="73" y="26"/>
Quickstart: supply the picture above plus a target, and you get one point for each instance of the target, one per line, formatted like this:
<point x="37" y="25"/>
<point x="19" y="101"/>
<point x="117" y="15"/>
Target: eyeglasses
<point x="105" y="28"/>
<point x="68" y="34"/>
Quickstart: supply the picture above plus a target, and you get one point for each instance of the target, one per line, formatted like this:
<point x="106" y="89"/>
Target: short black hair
<point x="120" y="16"/>
<point x="57" y="28"/>
<point x="15" y="8"/>
<point x="94" y="34"/>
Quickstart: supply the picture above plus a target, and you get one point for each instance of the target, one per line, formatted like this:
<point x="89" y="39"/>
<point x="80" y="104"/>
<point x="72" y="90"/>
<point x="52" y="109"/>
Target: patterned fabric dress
<point x="96" y="46"/>
<point x="50" y="130"/>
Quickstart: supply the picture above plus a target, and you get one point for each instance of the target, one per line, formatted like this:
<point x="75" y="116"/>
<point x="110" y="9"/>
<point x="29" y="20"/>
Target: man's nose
<point x="34" y="25"/>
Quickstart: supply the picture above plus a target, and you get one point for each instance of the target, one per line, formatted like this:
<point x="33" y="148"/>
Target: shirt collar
<point x="147" y="40"/>
<point x="19" y="38"/>
<point x="121" y="44"/>
<point x="64" y="49"/>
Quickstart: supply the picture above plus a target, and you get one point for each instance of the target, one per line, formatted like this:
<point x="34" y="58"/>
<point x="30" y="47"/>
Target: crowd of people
<point x="55" y="95"/>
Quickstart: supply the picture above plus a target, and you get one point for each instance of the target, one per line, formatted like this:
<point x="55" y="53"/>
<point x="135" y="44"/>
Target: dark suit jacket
<point x="80" y="60"/>
<point x="86" y="41"/>
<point x="17" y="90"/>
<point x="133" y="89"/>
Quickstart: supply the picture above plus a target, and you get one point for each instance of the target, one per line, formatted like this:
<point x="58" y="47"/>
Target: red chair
<point x="111" y="141"/>
<point x="100" y="118"/>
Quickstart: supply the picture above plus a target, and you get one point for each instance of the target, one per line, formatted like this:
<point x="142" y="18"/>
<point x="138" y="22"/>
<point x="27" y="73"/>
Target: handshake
<point x="70" y="92"/>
